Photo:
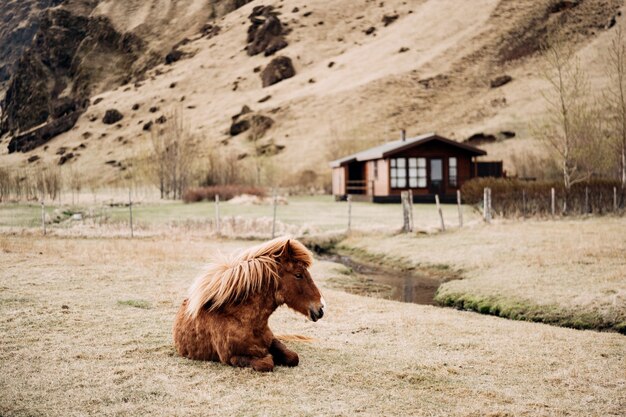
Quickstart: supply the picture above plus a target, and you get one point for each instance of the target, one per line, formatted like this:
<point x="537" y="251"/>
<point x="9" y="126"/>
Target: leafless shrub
<point x="226" y="192"/>
<point x="223" y="168"/>
<point x="173" y="158"/>
<point x="5" y="184"/>
<point x="514" y="197"/>
<point x="530" y="165"/>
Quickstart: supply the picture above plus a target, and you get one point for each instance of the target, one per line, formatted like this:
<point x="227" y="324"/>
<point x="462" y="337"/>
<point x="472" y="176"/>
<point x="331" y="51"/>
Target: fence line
<point x="587" y="200"/>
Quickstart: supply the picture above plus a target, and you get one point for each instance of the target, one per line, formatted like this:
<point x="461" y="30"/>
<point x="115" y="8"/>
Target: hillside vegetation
<point x="362" y="71"/>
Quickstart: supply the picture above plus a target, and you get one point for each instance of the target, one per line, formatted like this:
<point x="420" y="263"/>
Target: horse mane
<point x="244" y="273"/>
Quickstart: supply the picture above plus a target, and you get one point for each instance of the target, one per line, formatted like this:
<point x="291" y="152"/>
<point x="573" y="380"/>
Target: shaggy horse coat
<point x="225" y="317"/>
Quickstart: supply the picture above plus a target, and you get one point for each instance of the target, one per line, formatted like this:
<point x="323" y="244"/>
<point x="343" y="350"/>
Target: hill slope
<point x="364" y="70"/>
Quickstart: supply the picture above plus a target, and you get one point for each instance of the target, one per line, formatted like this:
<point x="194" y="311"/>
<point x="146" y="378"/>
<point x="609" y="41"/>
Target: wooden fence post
<point x="217" y="215"/>
<point x="274" y="202"/>
<point x="130" y="209"/>
<point x="404" y="196"/>
<point x="458" y="203"/>
<point x="490" y="206"/>
<point x="43" y="217"/>
<point x="411" y="224"/>
<point x="487" y="204"/>
<point x="443" y="226"/>
<point x="615" y="199"/>
<point x="553" y="201"/>
<point x="586" y="200"/>
<point x="349" y="213"/>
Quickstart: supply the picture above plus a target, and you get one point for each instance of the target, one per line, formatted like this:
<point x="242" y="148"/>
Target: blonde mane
<point x="245" y="273"/>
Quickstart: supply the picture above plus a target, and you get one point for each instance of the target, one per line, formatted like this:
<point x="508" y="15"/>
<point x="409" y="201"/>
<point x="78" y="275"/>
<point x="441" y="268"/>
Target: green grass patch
<point x="526" y="310"/>
<point x="135" y="303"/>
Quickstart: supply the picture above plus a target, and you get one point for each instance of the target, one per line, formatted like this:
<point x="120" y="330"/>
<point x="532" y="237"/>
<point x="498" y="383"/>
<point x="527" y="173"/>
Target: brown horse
<point x="225" y="317"/>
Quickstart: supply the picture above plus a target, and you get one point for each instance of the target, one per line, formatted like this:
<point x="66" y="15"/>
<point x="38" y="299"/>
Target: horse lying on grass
<point x="225" y="317"/>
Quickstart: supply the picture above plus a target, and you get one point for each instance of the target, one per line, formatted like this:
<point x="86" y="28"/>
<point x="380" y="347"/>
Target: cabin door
<point x="436" y="176"/>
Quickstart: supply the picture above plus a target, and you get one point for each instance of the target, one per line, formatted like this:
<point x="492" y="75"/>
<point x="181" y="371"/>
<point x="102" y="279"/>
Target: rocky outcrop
<point x="53" y="79"/>
<point x="38" y="136"/>
<point x="480" y="139"/>
<point x="19" y="21"/>
<point x="247" y="119"/>
<point x="280" y="68"/>
<point x="266" y="32"/>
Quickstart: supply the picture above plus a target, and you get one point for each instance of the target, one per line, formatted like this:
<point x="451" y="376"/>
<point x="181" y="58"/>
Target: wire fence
<point x="270" y="217"/>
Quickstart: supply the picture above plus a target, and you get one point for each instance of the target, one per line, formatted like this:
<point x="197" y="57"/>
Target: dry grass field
<point x="566" y="272"/>
<point x="86" y="330"/>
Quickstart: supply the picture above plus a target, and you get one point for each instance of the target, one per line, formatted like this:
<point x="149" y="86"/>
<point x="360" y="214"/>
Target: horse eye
<point x="298" y="276"/>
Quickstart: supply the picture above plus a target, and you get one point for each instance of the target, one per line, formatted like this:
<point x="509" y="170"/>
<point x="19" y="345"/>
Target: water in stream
<point x="406" y="286"/>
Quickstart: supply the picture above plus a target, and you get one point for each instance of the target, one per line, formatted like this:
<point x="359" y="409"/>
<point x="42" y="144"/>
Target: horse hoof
<point x="263" y="365"/>
<point x="292" y="359"/>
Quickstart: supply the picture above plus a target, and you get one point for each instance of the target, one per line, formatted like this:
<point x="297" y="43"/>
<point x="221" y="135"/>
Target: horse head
<point x="295" y="285"/>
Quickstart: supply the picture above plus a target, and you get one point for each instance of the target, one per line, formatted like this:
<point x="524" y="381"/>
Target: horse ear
<point x="287" y="251"/>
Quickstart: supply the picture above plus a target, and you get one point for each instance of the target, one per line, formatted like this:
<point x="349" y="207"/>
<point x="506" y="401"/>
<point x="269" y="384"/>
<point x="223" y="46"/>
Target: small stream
<point x="378" y="281"/>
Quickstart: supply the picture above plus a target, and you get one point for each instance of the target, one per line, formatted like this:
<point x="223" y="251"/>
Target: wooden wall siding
<point x="437" y="150"/>
<point x="381" y="186"/>
<point x="339" y="181"/>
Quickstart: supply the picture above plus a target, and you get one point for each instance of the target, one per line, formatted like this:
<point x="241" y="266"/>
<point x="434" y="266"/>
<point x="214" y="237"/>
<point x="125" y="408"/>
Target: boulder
<point x="173" y="56"/>
<point x="247" y="119"/>
<point x="112" y="116"/>
<point x="266" y="32"/>
<point x="500" y="81"/>
<point x="389" y="19"/>
<point x="239" y="126"/>
<point x="65" y="158"/>
<point x="480" y="139"/>
<point x="280" y="68"/>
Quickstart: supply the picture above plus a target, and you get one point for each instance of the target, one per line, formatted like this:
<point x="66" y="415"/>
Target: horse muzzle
<point x="316" y="314"/>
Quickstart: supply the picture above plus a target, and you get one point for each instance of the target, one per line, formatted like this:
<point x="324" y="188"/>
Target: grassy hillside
<point x="364" y="70"/>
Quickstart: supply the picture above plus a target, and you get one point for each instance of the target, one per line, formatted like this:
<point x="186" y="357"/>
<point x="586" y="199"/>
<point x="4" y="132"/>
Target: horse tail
<point x="295" y="338"/>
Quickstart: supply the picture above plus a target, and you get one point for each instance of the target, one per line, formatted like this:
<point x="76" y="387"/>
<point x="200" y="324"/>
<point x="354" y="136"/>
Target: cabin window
<point x="409" y="172"/>
<point x="376" y="170"/>
<point x="452" y="172"/>
<point x="417" y="172"/>
<point x="398" y="173"/>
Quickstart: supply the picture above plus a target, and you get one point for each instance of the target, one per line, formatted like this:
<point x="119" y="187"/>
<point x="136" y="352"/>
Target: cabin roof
<point x="389" y="148"/>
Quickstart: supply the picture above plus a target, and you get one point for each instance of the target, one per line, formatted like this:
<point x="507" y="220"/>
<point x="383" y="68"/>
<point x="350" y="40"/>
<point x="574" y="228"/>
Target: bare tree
<point x="173" y="157"/>
<point x="75" y="182"/>
<point x="570" y="128"/>
<point x="615" y="97"/>
<point x="5" y="184"/>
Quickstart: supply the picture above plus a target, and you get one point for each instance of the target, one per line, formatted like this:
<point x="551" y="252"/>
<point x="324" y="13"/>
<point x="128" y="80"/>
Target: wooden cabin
<point x="428" y="164"/>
